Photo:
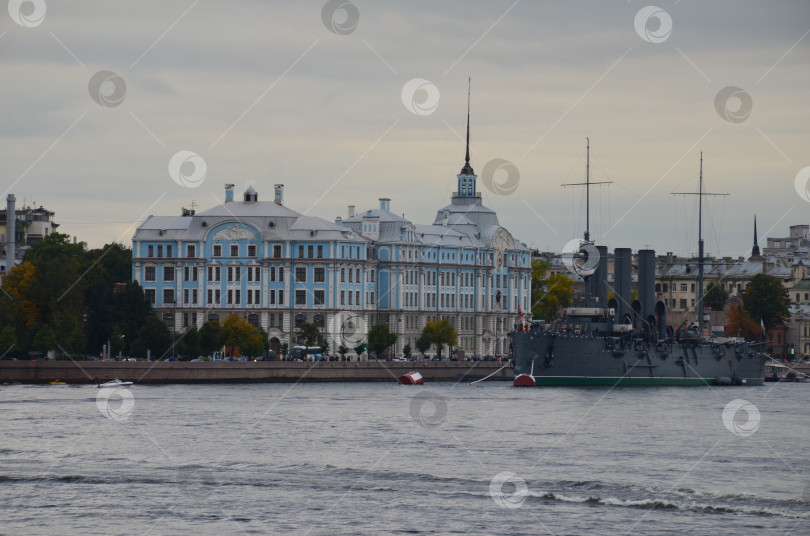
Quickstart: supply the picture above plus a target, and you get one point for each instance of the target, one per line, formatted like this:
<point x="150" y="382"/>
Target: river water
<point x="369" y="458"/>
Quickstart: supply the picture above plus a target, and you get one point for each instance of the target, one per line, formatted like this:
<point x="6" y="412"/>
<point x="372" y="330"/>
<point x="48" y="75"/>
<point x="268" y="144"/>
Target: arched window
<point x="253" y="320"/>
<point x="213" y="317"/>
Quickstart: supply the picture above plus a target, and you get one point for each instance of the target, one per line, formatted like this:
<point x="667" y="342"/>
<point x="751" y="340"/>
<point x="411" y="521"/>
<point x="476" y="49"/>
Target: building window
<point x="666" y="287"/>
<point x="300" y="276"/>
<point x="272" y="273"/>
<point x="150" y="251"/>
<point x="350" y="275"/>
<point x="168" y="251"/>
<point x="168" y="296"/>
<point x="683" y="287"/>
<point x="342" y="297"/>
<point x="214" y="273"/>
<point x="272" y="298"/>
<point x="343" y="275"/>
<point x="318" y="320"/>
<point x="253" y="320"/>
<point x="149" y="273"/>
<point x="234" y="250"/>
<point x="300" y="297"/>
<point x="213" y="317"/>
<point x="281" y="276"/>
<point x="683" y="303"/>
<point x="149" y="294"/>
<point x="281" y="297"/>
<point x="300" y="252"/>
<point x="168" y="273"/>
<point x="277" y="251"/>
<point x="309" y="252"/>
<point x="372" y="276"/>
<point x="251" y="250"/>
<point x="300" y="319"/>
<point x="357" y="297"/>
<point x="190" y="251"/>
<point x="217" y="250"/>
<point x="320" y="274"/>
<point x="693" y="287"/>
<point x="257" y="297"/>
<point x="320" y="252"/>
<point x="319" y="297"/>
<point x="185" y="296"/>
<point x="160" y="251"/>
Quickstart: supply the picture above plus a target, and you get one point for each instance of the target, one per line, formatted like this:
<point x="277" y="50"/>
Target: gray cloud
<point x="533" y="66"/>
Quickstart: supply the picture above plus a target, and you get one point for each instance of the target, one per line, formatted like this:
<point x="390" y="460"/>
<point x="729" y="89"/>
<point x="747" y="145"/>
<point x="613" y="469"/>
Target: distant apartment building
<point x="29" y="225"/>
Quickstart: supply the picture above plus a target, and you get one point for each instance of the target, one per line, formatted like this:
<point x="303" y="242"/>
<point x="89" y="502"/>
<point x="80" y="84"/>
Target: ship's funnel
<point x="646" y="281"/>
<point x="597" y="282"/>
<point x="622" y="282"/>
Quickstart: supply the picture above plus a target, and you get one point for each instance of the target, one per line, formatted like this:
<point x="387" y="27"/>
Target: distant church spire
<point x="755" y="249"/>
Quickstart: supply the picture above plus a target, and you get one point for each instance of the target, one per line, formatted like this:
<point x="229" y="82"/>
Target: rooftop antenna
<point x="701" y="194"/>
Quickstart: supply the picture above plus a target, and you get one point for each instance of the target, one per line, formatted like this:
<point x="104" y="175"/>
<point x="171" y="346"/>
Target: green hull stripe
<point x="571" y="381"/>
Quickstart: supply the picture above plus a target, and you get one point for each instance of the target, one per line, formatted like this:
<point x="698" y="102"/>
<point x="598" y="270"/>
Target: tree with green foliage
<point x="8" y="342"/>
<point x="715" y="296"/>
<point x="440" y="332"/>
<point x="766" y="300"/>
<point x="423" y="344"/>
<point x="309" y="335"/>
<point x="154" y="336"/>
<point x="212" y="337"/>
<point x="406" y="350"/>
<point x="116" y="341"/>
<point x="284" y="349"/>
<point x="549" y="294"/>
<point x="342" y="351"/>
<point x="241" y="337"/>
<point x="360" y="348"/>
<point x="45" y="339"/>
<point x="188" y="343"/>
<point x="380" y="339"/>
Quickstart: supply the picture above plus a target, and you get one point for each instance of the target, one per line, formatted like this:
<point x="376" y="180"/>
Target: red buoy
<point x="411" y="378"/>
<point x="525" y="380"/>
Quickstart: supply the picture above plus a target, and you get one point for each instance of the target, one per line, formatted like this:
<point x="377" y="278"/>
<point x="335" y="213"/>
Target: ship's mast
<point x="587" y="189"/>
<point x="700" y="193"/>
<point x="587" y="185"/>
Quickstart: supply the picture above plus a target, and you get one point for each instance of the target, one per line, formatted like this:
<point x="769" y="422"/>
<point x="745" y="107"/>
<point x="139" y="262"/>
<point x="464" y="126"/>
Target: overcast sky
<point x="323" y="98"/>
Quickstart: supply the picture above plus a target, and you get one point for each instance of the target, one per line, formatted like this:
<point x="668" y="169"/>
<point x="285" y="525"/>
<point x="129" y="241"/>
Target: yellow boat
<point x="58" y="382"/>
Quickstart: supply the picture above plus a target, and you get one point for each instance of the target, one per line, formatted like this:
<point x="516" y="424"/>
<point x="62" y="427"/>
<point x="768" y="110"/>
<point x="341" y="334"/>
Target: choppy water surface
<point x="387" y="459"/>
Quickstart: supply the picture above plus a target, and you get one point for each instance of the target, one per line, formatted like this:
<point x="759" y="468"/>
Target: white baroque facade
<point x="279" y="268"/>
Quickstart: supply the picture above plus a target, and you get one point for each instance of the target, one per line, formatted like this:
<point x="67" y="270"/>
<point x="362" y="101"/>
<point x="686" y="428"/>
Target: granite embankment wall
<point x="269" y="371"/>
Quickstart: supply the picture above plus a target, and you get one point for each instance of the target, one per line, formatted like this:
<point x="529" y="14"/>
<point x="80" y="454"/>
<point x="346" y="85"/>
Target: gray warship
<point x="625" y="342"/>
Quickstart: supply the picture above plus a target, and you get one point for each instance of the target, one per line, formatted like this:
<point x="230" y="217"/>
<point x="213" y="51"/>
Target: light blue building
<point x="279" y="268"/>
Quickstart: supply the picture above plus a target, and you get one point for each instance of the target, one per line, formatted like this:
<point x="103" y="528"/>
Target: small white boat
<point x="115" y="383"/>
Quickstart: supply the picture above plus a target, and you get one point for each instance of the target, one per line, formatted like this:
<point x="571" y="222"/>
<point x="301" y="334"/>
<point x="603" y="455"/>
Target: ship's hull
<point x="555" y="359"/>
